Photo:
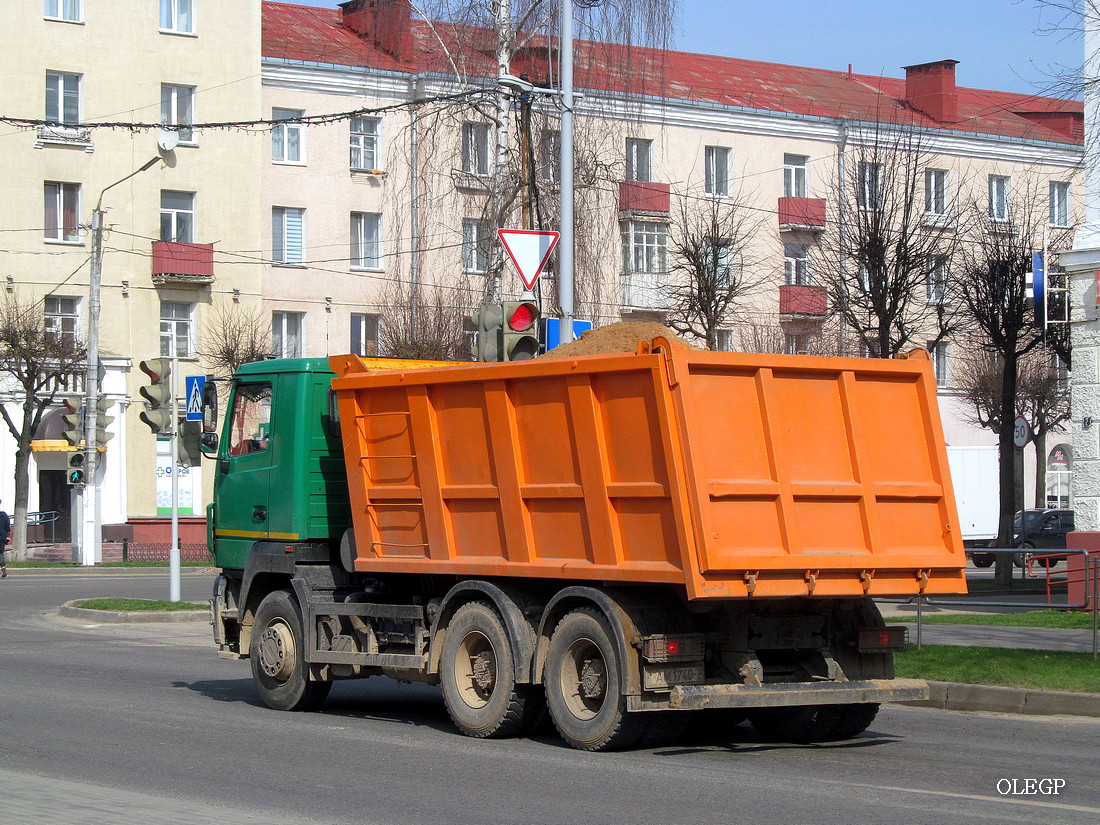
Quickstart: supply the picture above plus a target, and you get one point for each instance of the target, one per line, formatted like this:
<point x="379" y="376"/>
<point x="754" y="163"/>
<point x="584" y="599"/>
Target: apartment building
<point x="89" y="85"/>
<point x="333" y="164"/>
<point x="379" y="199"/>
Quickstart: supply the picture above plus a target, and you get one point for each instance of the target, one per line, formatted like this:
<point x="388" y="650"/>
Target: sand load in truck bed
<point x="733" y="475"/>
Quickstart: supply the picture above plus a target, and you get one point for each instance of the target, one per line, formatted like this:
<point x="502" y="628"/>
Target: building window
<point x="62" y="98"/>
<point x="645" y="246"/>
<point x="998" y="197"/>
<point x="475" y="148"/>
<point x="475" y="245"/>
<point x="62" y="212"/>
<point x="61" y="318"/>
<point x="1059" y="203"/>
<point x="639" y="152"/>
<point x="364" y="334"/>
<point x="937" y="279"/>
<point x="719" y="264"/>
<point x="717" y="160"/>
<point x="364" y="144"/>
<point x="797" y="343"/>
<point x="287" y="139"/>
<point x="67" y="10"/>
<point x="935" y="191"/>
<point x="366" y="240"/>
<point x="287" y="235"/>
<point x="796" y="265"/>
<point x="941" y="364"/>
<point x="724" y="340"/>
<point x="550" y="155"/>
<point x="176" y="325"/>
<point x="287" y="337"/>
<point x="794" y="176"/>
<point x="177" y="108"/>
<point x="869" y="193"/>
<point x="177" y="16"/>
<point x="177" y="216"/>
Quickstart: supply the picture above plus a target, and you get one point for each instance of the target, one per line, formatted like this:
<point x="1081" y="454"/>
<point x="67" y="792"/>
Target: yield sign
<point x="529" y="251"/>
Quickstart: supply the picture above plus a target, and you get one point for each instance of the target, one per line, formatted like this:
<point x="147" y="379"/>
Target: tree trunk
<point x="1040" y="469"/>
<point x="22" y="496"/>
<point x="1007" y="476"/>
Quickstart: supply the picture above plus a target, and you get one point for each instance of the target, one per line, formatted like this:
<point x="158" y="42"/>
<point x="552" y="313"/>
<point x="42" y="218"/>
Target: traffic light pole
<point x="91" y="548"/>
<point x="174" y="465"/>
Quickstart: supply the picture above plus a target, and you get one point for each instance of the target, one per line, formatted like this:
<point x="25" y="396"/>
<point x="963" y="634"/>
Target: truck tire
<point x="854" y="720"/>
<point x="799" y="724"/>
<point x="477" y="672"/>
<point x="278" y="656"/>
<point x="583" y="680"/>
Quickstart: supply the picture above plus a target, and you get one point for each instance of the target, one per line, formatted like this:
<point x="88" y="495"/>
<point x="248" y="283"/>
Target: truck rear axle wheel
<point x="278" y="656"/>
<point x="584" y="687"/>
<point x="477" y="672"/>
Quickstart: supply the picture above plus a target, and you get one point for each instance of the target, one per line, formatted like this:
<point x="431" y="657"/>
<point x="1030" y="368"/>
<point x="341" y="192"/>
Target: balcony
<point x="795" y="299"/>
<point x="641" y="291"/>
<point x="801" y="214"/>
<point x="643" y="196"/>
<point x="183" y="264"/>
<point x="58" y="135"/>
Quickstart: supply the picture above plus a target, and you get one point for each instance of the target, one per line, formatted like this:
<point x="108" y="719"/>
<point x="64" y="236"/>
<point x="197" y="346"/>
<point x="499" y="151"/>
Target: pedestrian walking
<point x="5" y="537"/>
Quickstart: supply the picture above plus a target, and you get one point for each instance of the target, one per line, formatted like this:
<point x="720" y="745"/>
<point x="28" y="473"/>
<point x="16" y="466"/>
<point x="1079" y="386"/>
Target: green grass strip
<point x="1077" y="620"/>
<point x="45" y="565"/>
<point x="126" y="605"/>
<point x="1036" y="669"/>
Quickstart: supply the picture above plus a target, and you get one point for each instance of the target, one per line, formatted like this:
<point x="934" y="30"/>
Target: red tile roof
<point x="304" y="33"/>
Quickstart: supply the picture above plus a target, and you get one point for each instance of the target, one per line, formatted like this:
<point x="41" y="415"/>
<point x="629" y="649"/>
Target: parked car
<point x="1034" y="530"/>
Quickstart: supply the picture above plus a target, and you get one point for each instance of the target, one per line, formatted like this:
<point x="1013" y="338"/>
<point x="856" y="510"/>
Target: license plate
<point x="657" y="677"/>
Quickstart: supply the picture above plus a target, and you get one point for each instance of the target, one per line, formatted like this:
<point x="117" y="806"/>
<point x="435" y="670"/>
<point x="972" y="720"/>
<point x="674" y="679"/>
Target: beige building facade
<point x="90" y="83"/>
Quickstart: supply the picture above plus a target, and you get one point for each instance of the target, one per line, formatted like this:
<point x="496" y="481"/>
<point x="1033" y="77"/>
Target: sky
<point x="1007" y="45"/>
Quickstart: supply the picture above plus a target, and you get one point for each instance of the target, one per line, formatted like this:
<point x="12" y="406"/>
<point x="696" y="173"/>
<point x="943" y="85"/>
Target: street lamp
<point x="90" y="538"/>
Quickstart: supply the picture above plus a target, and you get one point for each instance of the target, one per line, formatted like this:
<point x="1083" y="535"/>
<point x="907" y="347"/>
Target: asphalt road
<point x="145" y="724"/>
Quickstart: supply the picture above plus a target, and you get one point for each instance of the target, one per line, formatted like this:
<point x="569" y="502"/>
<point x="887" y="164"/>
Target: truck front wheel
<point x="477" y="671"/>
<point x="278" y="656"/>
<point x="584" y="684"/>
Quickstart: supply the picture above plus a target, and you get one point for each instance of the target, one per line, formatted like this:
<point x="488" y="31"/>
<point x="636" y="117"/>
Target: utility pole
<point x="565" y="163"/>
<point x="90" y="534"/>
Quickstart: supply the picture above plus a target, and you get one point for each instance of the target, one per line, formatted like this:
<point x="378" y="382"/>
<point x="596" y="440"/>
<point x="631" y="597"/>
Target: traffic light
<point x="73" y="416"/>
<point x="521" y="327"/>
<point x="158" y="394"/>
<point x="76" y="473"/>
<point x="188" y="453"/>
<point x="490" y="331"/>
<point x="102" y="420"/>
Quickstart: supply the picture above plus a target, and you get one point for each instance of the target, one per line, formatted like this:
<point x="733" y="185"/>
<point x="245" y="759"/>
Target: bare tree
<point x="37" y="363"/>
<point x="711" y="245"/>
<point x="989" y="285"/>
<point x="896" y="234"/>
<point x="439" y="333"/>
<point x="234" y="335"/>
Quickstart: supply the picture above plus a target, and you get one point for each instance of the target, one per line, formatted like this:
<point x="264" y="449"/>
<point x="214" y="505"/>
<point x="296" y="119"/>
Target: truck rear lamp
<point x="883" y="640"/>
<point x="661" y="648"/>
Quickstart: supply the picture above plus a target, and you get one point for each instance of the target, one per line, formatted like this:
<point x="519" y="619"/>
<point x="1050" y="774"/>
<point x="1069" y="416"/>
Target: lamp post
<point x="90" y="538"/>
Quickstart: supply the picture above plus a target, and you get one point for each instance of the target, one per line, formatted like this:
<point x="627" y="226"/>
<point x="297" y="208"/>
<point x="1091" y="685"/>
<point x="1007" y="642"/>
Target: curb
<point x="71" y="611"/>
<point x="963" y="697"/>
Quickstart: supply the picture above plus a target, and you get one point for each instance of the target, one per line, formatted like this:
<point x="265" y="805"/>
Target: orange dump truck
<point x="617" y="538"/>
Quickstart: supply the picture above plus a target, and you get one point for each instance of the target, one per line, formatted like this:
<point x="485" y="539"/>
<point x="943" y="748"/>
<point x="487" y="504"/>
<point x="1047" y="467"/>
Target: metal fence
<point x="1034" y="565"/>
<point x="132" y="551"/>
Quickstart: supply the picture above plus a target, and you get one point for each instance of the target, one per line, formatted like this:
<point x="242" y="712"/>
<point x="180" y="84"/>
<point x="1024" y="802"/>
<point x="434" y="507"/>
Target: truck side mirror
<point x="209" y="406"/>
<point x="208" y="444"/>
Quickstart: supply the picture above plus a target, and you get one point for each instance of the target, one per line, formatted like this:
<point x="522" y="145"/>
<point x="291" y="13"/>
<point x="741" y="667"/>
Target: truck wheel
<point x="983" y="559"/>
<point x="854" y="720"/>
<point x="479" y="678"/>
<point x="584" y="685"/>
<point x="802" y="723"/>
<point x="278" y="656"/>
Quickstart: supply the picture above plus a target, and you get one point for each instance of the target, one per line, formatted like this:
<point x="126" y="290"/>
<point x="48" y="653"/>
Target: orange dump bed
<point x="734" y="475"/>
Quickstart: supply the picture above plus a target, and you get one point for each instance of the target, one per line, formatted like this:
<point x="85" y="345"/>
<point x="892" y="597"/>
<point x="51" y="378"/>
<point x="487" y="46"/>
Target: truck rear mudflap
<point x="698" y="697"/>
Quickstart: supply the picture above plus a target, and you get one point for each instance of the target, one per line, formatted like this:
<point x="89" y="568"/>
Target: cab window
<point x="250" y="419"/>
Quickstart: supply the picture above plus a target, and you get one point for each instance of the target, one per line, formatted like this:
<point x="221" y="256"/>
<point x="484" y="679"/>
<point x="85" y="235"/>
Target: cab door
<point x="242" y="484"/>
